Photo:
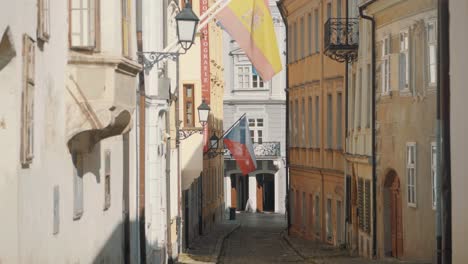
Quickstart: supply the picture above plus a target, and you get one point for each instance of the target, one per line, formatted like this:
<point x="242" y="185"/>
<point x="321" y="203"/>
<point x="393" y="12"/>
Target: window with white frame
<point x="404" y="64"/>
<point x="310" y="123"/>
<point x="385" y="66"/>
<point x="126" y="27"/>
<point x="77" y="186"/>
<point x="309" y="30"/>
<point x="303" y="121"/>
<point x="434" y="174"/>
<point x="248" y="78"/>
<point x="107" y="179"/>
<point x="411" y="173"/>
<point x="432" y="52"/>
<point x="27" y="107"/>
<point x="83" y="21"/>
<point x="256" y="130"/>
<point x="316" y="30"/>
<point x="302" y="38"/>
<point x="43" y="20"/>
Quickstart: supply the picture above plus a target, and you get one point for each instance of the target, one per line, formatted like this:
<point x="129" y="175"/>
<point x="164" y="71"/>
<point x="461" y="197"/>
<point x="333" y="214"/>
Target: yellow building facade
<point x="316" y="123"/>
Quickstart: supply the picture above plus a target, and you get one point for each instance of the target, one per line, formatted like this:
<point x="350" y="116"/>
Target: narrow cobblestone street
<point x="258" y="240"/>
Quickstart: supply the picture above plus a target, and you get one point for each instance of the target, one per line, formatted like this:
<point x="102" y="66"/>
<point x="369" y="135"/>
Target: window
<point x="303" y="121"/>
<point x="338" y="9"/>
<point x="189" y="105"/>
<point x="257" y="81"/>
<point x="27" y="115"/>
<point x="317" y="215"/>
<point x="432" y="52"/>
<point x="83" y="24"/>
<point x="339" y="121"/>
<point x="404" y="61"/>
<point x="329" y="220"/>
<point x="352" y="97"/>
<point x="295" y="42"/>
<point x="316" y="16"/>
<point x="126" y="27"/>
<point x="329" y="121"/>
<point x="290" y="36"/>
<point x="434" y="174"/>
<point x="317" y="122"/>
<point x="291" y="124"/>
<point x="43" y="20"/>
<point x="304" y="210"/>
<point x="296" y="129"/>
<point x="386" y="66"/>
<point x="107" y="176"/>
<point x="56" y="206"/>
<point x="248" y="78"/>
<point x="77" y="186"/>
<point x="359" y="99"/>
<point x="329" y="10"/>
<point x="243" y="77"/>
<point x="256" y="130"/>
<point x="309" y="29"/>
<point x="310" y="123"/>
<point x="369" y="95"/>
<point x="302" y="38"/>
<point x="411" y="173"/>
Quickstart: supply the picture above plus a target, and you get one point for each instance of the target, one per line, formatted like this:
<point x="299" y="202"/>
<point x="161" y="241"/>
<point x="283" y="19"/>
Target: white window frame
<point x="385" y="65"/>
<point x="251" y="77"/>
<point x="411" y="174"/>
<point x="434" y="174"/>
<point x="84" y="36"/>
<point x="256" y="129"/>
<point x="43" y="21"/>
<point x="404" y="50"/>
<point x="431" y="42"/>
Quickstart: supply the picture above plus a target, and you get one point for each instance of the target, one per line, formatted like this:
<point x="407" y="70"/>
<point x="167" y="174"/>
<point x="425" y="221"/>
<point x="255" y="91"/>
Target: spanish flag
<point x="250" y="24"/>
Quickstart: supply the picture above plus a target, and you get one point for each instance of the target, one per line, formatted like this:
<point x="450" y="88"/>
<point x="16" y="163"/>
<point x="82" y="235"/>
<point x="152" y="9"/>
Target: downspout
<point x="281" y="8"/>
<point x="346" y="138"/>
<point x="141" y="136"/>
<point x="374" y="165"/>
<point x="444" y="203"/>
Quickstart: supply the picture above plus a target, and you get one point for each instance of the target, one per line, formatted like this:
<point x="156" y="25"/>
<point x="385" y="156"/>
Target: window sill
<point x="251" y="90"/>
<point x="77" y="216"/>
<point x="412" y="205"/>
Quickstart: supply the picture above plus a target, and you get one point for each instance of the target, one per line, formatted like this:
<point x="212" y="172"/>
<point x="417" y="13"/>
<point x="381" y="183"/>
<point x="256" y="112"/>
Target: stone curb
<point x="220" y="242"/>
<point x="286" y="238"/>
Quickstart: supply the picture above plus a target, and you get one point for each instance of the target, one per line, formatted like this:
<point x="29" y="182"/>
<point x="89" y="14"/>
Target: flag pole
<point x="232" y="126"/>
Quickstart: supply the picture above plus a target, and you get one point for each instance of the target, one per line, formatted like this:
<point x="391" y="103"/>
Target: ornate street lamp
<point x="203" y="113"/>
<point x="187" y="23"/>
<point x="214" y="141"/>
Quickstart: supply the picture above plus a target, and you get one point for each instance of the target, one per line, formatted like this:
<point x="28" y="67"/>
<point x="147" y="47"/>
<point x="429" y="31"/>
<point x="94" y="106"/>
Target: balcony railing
<point x="263" y="150"/>
<point x="342" y="39"/>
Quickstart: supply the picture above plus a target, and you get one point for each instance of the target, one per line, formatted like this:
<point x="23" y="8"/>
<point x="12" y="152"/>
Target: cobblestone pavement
<point x="258" y="240"/>
<point x="207" y="248"/>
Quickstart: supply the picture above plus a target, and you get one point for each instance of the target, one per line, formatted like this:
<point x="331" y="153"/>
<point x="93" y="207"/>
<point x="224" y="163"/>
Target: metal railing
<point x="261" y="150"/>
<point x="341" y="38"/>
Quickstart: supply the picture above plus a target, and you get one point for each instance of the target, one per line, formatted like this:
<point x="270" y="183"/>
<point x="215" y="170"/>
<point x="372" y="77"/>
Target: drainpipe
<point x="444" y="203"/>
<point x="141" y="136"/>
<point x="374" y="165"/>
<point x="282" y="9"/>
<point x="346" y="138"/>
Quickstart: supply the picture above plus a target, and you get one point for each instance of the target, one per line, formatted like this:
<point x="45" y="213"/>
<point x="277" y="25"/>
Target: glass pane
<point x="260" y="122"/>
<point x="189" y="92"/>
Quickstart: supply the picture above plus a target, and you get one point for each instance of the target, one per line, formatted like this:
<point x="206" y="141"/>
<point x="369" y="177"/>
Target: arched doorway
<point x="393" y="225"/>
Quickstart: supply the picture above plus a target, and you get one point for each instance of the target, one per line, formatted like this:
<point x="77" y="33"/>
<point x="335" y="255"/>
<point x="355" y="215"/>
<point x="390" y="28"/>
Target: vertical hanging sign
<point x="205" y="68"/>
<point x="205" y="56"/>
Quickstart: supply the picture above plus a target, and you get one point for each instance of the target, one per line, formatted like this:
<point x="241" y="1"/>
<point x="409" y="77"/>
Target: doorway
<point x="393" y="232"/>
<point x="265" y="192"/>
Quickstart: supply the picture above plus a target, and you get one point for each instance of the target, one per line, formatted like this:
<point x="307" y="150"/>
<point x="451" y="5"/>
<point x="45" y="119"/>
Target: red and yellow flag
<point x="250" y="24"/>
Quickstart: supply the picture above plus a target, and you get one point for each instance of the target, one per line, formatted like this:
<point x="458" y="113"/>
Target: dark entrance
<point x="265" y="192"/>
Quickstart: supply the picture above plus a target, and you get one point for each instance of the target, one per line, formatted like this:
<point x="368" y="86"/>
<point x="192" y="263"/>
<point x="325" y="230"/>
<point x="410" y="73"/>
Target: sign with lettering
<point x="205" y="56"/>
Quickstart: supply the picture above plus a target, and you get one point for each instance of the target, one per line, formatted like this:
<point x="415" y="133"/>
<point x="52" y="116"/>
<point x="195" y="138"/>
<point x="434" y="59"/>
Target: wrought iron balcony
<point x="342" y="39"/>
<point x="264" y="150"/>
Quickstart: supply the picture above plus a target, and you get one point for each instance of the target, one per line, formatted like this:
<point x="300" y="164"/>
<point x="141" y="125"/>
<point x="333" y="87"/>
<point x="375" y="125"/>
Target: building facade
<point x="406" y="82"/>
<point x="67" y="109"/>
<point x="358" y="151"/>
<point x="264" y="105"/>
<point x="201" y="80"/>
<point x="316" y="123"/>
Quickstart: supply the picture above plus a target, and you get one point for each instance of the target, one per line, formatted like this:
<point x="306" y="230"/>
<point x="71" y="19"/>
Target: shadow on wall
<point x="123" y="247"/>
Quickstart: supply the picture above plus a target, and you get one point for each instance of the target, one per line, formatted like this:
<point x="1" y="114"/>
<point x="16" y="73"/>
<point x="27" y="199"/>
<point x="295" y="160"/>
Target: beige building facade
<point x="316" y="123"/>
<point x="406" y="80"/>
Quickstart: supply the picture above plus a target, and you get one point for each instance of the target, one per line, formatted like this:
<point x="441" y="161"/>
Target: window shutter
<point x="402" y="71"/>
